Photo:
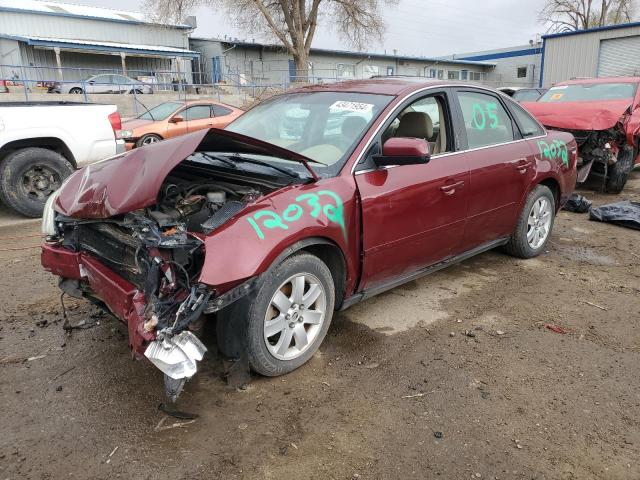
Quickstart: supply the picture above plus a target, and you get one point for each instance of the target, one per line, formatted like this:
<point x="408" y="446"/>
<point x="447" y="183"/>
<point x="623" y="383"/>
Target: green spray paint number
<point x="480" y="117"/>
<point x="555" y="150"/>
<point x="323" y="202"/>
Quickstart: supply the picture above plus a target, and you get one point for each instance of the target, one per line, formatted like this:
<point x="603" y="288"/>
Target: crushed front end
<point x="143" y="266"/>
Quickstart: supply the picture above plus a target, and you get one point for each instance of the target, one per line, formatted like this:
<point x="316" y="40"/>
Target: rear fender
<point x="275" y="227"/>
<point x="556" y="163"/>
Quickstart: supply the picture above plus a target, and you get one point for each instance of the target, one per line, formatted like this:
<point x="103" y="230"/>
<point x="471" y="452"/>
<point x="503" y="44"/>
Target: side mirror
<point x="176" y="119"/>
<point x="403" y="151"/>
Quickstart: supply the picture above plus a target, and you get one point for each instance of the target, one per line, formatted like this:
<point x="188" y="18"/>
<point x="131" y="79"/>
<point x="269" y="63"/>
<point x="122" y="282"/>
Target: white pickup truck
<point x="41" y="143"/>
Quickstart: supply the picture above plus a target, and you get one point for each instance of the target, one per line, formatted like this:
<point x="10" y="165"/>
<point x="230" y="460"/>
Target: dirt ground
<point x="515" y="401"/>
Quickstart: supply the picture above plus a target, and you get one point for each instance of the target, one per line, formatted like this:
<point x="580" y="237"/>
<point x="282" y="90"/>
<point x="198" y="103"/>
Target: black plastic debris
<point x="625" y="214"/>
<point x="577" y="204"/>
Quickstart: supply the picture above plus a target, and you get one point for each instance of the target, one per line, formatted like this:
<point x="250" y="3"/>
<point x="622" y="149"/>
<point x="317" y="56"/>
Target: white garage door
<point x="619" y="57"/>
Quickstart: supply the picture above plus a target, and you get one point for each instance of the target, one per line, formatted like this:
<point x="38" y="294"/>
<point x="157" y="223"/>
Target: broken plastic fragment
<point x="176" y="356"/>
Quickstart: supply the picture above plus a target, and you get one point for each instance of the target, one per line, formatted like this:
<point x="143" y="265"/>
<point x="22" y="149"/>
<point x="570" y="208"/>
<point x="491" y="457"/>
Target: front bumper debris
<point x="176" y="355"/>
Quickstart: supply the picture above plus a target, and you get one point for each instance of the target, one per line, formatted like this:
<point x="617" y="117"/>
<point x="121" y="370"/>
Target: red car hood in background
<point x="132" y="181"/>
<point x="600" y="115"/>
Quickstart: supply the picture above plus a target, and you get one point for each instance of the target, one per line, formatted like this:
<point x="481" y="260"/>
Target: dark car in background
<point x="272" y="229"/>
<point x="603" y="114"/>
<point x="521" y="94"/>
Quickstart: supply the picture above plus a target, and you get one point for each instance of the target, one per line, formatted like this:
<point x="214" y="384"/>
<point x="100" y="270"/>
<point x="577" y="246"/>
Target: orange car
<point x="171" y="119"/>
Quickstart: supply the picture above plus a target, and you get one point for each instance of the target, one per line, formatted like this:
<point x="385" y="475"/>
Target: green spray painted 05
<point x="295" y="211"/>
<point x="554" y="151"/>
<point x="479" y="116"/>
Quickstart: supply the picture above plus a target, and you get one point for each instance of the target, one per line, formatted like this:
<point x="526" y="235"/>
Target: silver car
<point x="103" y="83"/>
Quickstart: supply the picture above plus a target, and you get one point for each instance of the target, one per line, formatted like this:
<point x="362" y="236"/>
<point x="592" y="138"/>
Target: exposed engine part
<point x="219" y="218"/>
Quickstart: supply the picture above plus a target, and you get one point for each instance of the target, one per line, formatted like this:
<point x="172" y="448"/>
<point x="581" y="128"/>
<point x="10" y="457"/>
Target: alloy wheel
<point x="150" y="140"/>
<point x="295" y="316"/>
<point x="539" y="222"/>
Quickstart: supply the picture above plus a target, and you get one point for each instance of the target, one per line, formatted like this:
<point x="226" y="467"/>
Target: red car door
<point x="413" y="215"/>
<point x="501" y="167"/>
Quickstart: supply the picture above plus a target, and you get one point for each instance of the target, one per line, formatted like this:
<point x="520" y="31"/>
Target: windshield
<point x="585" y="92"/>
<point x="162" y="111"/>
<point x="323" y="126"/>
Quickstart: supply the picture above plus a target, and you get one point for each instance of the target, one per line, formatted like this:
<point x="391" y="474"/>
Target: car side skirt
<point x="397" y="281"/>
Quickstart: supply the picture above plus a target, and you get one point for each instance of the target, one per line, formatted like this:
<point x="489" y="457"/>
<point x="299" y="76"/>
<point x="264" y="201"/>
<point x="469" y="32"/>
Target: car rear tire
<point x="148" y="140"/>
<point x="28" y="176"/>
<point x="76" y="91"/>
<point x="619" y="171"/>
<point x="136" y="91"/>
<point x="283" y="324"/>
<point x="535" y="224"/>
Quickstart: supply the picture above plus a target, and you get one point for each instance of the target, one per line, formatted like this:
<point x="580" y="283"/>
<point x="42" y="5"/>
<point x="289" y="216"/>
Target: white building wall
<point x="571" y="56"/>
<point x="252" y="64"/>
<point x="53" y="26"/>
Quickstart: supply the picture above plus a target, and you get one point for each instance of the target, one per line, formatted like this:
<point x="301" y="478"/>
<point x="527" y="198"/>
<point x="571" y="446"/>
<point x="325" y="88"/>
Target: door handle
<point x="522" y="164"/>
<point x="450" y="188"/>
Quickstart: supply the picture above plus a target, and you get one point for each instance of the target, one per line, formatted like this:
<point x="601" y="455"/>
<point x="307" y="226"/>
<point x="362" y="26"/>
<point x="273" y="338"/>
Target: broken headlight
<point x="49" y="215"/>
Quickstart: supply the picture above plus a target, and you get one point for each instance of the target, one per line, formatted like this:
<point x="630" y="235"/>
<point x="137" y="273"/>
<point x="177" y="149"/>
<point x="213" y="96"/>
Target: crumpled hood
<point x="600" y="115"/>
<point x="132" y="180"/>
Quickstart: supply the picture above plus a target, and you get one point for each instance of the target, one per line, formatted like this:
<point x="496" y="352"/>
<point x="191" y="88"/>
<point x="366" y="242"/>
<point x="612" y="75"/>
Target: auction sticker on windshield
<point x="346" y="106"/>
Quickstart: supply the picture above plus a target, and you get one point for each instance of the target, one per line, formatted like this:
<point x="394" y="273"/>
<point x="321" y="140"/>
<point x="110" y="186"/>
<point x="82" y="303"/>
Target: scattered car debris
<point x="500" y="332"/>
<point x="555" y="328"/>
<point x="470" y="333"/>
<point x="37" y="357"/>
<point x="438" y="434"/>
<point x="597" y="306"/>
<point x="415" y="395"/>
<point x="111" y="454"/>
<point x="577" y="204"/>
<point x="625" y="214"/>
<point x="169" y="410"/>
<point x="61" y="374"/>
<point x="161" y="426"/>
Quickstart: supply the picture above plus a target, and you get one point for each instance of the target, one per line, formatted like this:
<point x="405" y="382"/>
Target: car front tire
<point x="280" y="327"/>
<point x="619" y="171"/>
<point x="76" y="91"/>
<point x="535" y="224"/>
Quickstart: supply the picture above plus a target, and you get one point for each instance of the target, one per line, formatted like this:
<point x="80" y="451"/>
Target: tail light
<point x="115" y="121"/>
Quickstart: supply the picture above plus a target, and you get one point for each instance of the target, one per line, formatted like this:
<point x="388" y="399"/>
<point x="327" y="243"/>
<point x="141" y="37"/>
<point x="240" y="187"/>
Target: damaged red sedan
<point x="308" y="203"/>
<point x="603" y="114"/>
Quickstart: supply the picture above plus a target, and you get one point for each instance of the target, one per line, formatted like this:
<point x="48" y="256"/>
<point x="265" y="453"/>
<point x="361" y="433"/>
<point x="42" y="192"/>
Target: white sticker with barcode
<point x="346" y="106"/>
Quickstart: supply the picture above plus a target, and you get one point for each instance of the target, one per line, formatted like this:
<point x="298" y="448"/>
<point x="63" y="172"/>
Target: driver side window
<point x="423" y="119"/>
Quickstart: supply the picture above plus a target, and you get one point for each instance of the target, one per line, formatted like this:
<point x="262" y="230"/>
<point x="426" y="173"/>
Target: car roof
<point x="382" y="86"/>
<point x="579" y="81"/>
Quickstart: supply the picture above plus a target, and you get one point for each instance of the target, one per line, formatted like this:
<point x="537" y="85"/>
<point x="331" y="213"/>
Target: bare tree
<point x="169" y="12"/>
<point x="293" y="23"/>
<point x="570" y="15"/>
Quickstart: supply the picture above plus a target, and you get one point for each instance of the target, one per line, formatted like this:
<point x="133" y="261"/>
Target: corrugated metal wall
<point x="272" y="67"/>
<point x="577" y="55"/>
<point x="14" y="23"/>
<point x="619" y="57"/>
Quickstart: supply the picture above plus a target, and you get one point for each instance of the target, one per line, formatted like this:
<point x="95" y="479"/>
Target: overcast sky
<point x="414" y="27"/>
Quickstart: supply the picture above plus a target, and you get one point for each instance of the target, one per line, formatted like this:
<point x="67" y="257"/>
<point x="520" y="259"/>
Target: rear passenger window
<point x="528" y="126"/>
<point x="485" y="120"/>
<point x="197" y="112"/>
<point x="220" y="111"/>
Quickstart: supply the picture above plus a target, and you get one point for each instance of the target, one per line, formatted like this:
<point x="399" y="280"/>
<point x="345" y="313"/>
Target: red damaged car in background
<point x="603" y="114"/>
<point x="272" y="228"/>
